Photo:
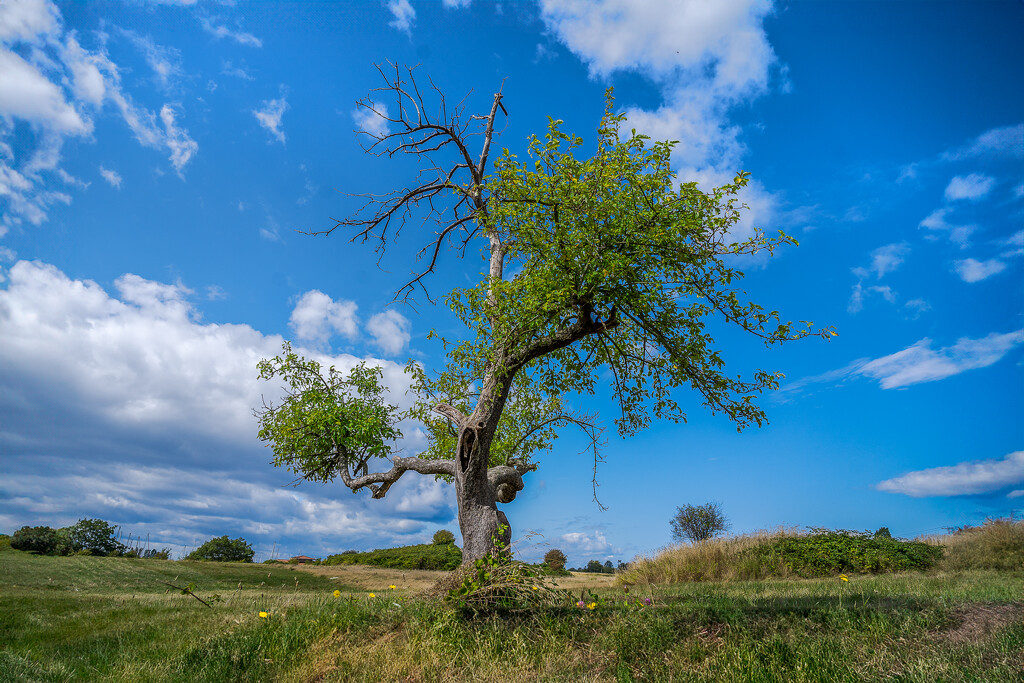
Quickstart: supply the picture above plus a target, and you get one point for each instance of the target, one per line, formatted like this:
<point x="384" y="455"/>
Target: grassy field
<point x="95" y="618"/>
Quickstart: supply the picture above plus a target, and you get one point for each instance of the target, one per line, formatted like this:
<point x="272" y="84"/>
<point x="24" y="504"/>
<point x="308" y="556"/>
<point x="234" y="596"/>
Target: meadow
<point x="115" y="619"/>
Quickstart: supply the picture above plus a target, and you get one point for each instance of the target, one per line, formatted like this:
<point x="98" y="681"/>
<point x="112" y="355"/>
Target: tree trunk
<point x="484" y="527"/>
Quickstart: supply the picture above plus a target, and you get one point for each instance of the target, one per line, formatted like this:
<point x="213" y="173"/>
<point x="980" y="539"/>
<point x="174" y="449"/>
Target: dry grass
<point x="719" y="559"/>
<point x="996" y="544"/>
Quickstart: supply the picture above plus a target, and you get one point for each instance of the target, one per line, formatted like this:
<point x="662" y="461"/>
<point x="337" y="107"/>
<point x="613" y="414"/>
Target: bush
<point x="444" y="537"/>
<point x="37" y="539"/>
<point x="555" y="559"/>
<point x="824" y="552"/>
<point x="222" y="549"/>
<point x="93" y="537"/>
<point x="426" y="556"/>
<point x="996" y="544"/>
<point x="5" y="542"/>
<point x="698" y="523"/>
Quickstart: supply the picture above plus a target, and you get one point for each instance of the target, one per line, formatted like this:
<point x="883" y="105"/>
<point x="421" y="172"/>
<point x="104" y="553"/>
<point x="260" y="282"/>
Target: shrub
<point x="883" y="532"/>
<point x="5" y="542"/>
<point x="698" y="523"/>
<point x="93" y="537"/>
<point x="426" y="556"/>
<point x="37" y="539"/>
<point x="222" y="549"/>
<point x="824" y="552"/>
<point x="444" y="537"/>
<point x="555" y="559"/>
<point x="996" y="544"/>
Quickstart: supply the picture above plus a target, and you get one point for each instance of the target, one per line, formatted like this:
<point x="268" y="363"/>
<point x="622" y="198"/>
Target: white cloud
<point x="579" y="542"/>
<point x="972" y="270"/>
<point x="221" y="31"/>
<point x="238" y="72"/>
<point x="316" y="317"/>
<point x="27" y="19"/>
<point x="920" y="363"/>
<point x="456" y="4"/>
<point x="971" y="187"/>
<point x="270" y="116"/>
<point x="963" y="479"/>
<point x="164" y="61"/>
<point x="1005" y="141"/>
<point x="177" y="140"/>
<point x="389" y="331"/>
<point x="370" y="122"/>
<point x="403" y="13"/>
<point x="135" y="387"/>
<point x="888" y="258"/>
<point x="112" y="177"/>
<point x="27" y="94"/>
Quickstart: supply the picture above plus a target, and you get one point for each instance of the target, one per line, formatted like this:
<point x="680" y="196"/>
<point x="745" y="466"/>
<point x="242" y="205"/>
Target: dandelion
<point x="844" y="578"/>
<point x="372" y="595"/>
<point x="392" y="587"/>
<point x="592" y="606"/>
<point x="535" y="588"/>
<point x="337" y="594"/>
<point x="263" y="615"/>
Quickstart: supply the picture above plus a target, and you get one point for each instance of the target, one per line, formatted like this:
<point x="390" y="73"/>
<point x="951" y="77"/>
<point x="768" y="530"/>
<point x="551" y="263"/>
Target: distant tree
<point x="595" y="567"/>
<point x="697" y="523"/>
<point x="599" y="267"/>
<point x="223" y="549"/>
<point x="555" y="559"/>
<point x="444" y="537"/>
<point x="883" y="532"/>
<point x="608" y="568"/>
<point x="37" y="539"/>
<point x="93" y="536"/>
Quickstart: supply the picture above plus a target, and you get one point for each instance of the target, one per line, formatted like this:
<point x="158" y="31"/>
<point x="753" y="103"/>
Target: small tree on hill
<point x="444" y="537"/>
<point x="555" y="559"/>
<point x="697" y="523"/>
<point x="223" y="549"/>
<point x="93" y="536"/>
<point x="595" y="267"/>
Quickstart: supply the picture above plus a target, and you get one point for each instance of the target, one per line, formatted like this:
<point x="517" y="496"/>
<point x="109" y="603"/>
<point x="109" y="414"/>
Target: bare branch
<point x="380" y="482"/>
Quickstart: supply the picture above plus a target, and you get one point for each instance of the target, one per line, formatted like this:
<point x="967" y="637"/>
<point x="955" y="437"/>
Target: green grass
<point x="86" y="618"/>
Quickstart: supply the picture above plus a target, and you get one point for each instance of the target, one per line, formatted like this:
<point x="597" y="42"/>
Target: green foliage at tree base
<point x="824" y="552"/>
<point x="426" y="556"/>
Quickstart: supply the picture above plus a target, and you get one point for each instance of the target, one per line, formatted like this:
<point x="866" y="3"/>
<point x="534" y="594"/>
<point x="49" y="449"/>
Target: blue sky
<point x="157" y="160"/>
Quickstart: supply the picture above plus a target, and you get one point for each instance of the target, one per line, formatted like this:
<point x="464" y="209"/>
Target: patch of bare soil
<point x="975" y="622"/>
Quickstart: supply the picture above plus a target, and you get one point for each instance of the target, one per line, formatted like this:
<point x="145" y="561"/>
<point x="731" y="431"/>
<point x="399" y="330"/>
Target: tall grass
<point x="720" y="559"/>
<point x="996" y="544"/>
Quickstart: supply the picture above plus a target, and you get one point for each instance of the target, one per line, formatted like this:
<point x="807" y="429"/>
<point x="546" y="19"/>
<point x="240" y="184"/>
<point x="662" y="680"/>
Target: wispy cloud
<point x="112" y="177"/>
<point x="372" y="121"/>
<point x="971" y="187"/>
<point x="963" y="479"/>
<point x="884" y="260"/>
<point x="221" y="31"/>
<point x="972" y="270"/>
<point x="403" y="15"/>
<point x="1004" y="141"/>
<point x="270" y="115"/>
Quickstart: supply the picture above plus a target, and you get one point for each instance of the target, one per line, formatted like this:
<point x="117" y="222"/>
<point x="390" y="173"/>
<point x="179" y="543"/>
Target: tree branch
<point x="380" y="482"/>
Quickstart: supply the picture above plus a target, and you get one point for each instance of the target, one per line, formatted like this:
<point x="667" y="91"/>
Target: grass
<point x="93" y="618"/>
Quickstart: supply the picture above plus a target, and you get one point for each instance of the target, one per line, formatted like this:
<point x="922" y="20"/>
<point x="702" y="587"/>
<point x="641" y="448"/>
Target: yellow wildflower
<point x="392" y="587"/>
<point x="844" y="577"/>
<point x="372" y="595"/>
<point x="592" y="605"/>
<point x="263" y="615"/>
<point x="337" y="594"/>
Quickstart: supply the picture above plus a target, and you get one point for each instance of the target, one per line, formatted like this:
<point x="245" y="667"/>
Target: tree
<point x="555" y="559"/>
<point x="594" y="566"/>
<point x="698" y="523"/>
<point x="444" y="537"/>
<point x="94" y="536"/>
<point x="36" y="539"/>
<point x="602" y="266"/>
<point x="223" y="549"/>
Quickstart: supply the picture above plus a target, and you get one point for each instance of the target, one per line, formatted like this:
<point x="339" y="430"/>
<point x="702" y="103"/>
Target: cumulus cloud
<point x="963" y="479"/>
<point x="270" y="117"/>
<point x="389" y="331"/>
<point x="578" y="543"/>
<point x="920" y="363"/>
<point x="972" y="187"/>
<point x="112" y="177"/>
<point x="127" y="407"/>
<point x="316" y="318"/>
<point x="403" y="15"/>
<point x="371" y="122"/>
<point x="972" y="270"/>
